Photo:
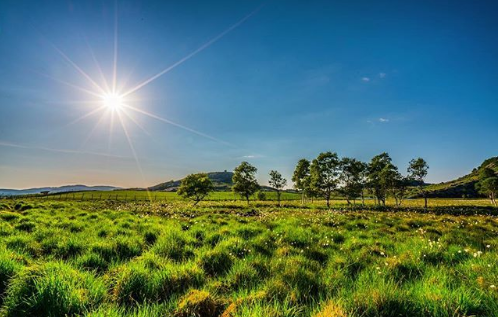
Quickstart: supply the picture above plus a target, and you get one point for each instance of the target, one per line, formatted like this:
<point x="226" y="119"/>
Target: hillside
<point x="53" y="190"/>
<point x="463" y="186"/>
<point x="221" y="180"/>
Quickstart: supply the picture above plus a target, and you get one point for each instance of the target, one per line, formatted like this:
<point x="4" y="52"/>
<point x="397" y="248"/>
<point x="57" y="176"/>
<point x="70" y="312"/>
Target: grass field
<point x="132" y="195"/>
<point x="107" y="258"/>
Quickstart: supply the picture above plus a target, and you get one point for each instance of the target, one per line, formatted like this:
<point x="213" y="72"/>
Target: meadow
<point x="139" y="195"/>
<point x="224" y="258"/>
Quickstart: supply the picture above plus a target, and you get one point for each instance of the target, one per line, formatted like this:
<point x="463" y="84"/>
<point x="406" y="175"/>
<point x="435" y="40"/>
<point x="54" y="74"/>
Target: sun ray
<point x="101" y="73"/>
<point x="91" y="113"/>
<point x="81" y="71"/>
<point x="70" y="85"/>
<point x="90" y="134"/>
<point x="135" y="121"/>
<point x="132" y="148"/>
<point x="115" y="68"/>
<point x="192" y="54"/>
<point x="111" y="129"/>
<point x="175" y="124"/>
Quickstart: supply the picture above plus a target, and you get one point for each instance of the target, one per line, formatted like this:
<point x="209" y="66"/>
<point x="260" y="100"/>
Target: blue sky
<point x="413" y="78"/>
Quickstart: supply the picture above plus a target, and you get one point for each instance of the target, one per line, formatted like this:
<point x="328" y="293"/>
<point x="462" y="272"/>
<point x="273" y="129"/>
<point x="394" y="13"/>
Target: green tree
<point x="417" y="171"/>
<point x="324" y="174"/>
<point x="351" y="178"/>
<point x="488" y="184"/>
<point x="244" y="180"/>
<point x="278" y="182"/>
<point x="389" y="182"/>
<point x="301" y="177"/>
<point x="395" y="183"/>
<point x="195" y="187"/>
<point x="378" y="169"/>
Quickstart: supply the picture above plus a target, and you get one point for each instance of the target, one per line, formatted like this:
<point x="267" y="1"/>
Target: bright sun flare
<point x="113" y="101"/>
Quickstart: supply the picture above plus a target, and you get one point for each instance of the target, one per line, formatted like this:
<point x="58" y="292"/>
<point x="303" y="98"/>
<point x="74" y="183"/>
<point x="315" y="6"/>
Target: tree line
<point x="352" y="179"/>
<point x="324" y="176"/>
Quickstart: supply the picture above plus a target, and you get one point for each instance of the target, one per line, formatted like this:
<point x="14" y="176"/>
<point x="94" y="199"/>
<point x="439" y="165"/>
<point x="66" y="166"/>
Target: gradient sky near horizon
<point x="412" y="78"/>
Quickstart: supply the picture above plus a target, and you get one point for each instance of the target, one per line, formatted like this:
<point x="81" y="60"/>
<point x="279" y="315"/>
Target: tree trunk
<point x="278" y="197"/>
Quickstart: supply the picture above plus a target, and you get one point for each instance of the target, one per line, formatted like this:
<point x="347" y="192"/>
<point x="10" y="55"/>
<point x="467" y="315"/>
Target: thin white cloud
<point x="251" y="156"/>
<point x="39" y="148"/>
<point x="384" y="120"/>
<point x="382" y="75"/>
<point x="365" y="79"/>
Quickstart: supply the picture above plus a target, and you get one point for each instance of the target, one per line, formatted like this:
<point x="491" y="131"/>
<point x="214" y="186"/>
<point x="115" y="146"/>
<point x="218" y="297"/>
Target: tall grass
<point x="226" y="259"/>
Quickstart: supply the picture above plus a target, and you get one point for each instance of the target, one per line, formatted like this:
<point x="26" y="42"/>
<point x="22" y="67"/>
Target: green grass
<point x="71" y="258"/>
<point x="132" y="195"/>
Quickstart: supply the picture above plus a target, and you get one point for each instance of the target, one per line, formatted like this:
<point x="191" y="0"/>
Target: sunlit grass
<point x="73" y="258"/>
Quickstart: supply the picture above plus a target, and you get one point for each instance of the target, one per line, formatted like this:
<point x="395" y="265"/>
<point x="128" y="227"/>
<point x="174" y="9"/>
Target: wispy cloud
<point x="251" y="156"/>
<point x="382" y="75"/>
<point x="365" y="79"/>
<point x="39" y="148"/>
<point x="383" y="120"/>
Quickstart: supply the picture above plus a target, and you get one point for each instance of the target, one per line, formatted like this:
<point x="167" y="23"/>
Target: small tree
<point x="278" y="182"/>
<point x="244" y="180"/>
<point x="301" y="177"/>
<point x="397" y="184"/>
<point x="195" y="187"/>
<point x="389" y="180"/>
<point x="417" y="171"/>
<point x="376" y="176"/>
<point x="351" y="175"/>
<point x="324" y="174"/>
<point x="488" y="184"/>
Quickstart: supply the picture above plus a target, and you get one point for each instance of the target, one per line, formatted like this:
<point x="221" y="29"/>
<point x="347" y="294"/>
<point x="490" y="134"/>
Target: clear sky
<point x="268" y="84"/>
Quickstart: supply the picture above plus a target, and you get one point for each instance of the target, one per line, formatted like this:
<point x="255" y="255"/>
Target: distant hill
<point x="53" y="190"/>
<point x="463" y="186"/>
<point x="222" y="181"/>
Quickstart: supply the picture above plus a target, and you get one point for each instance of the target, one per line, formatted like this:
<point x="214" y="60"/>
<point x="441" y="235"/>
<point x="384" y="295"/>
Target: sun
<point x="113" y="101"/>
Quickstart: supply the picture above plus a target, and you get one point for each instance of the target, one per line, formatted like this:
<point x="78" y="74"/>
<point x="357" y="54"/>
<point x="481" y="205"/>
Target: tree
<point x="244" y="180"/>
<point x="417" y="171"/>
<point x="324" y="174"/>
<point x="351" y="178"/>
<point x="396" y="183"/>
<point x="278" y="182"/>
<point x="196" y="187"/>
<point x="389" y="181"/>
<point x="301" y="177"/>
<point x="376" y="176"/>
<point x="488" y="184"/>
